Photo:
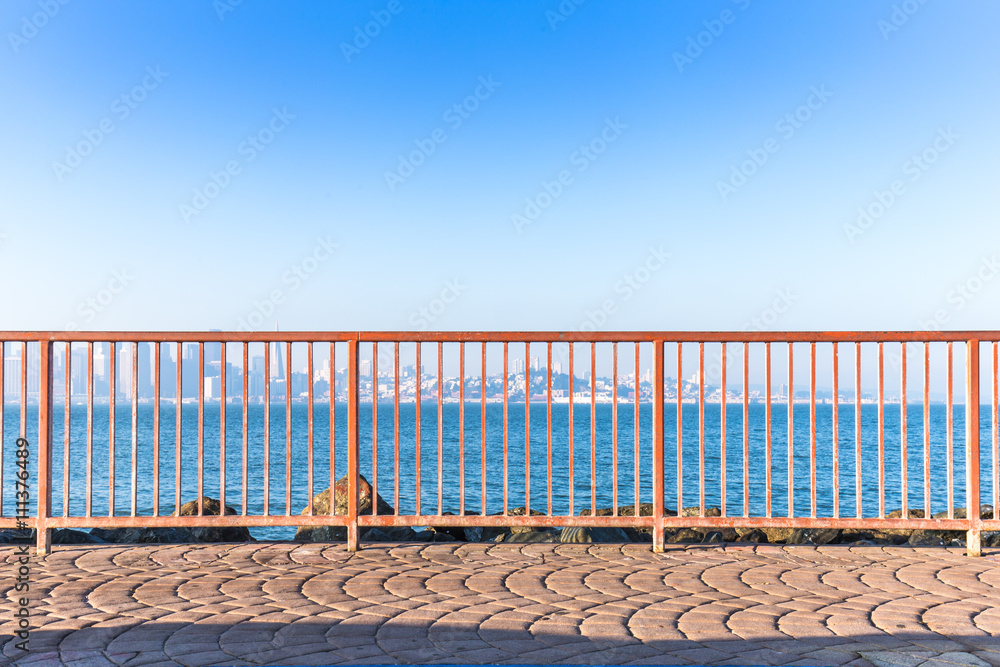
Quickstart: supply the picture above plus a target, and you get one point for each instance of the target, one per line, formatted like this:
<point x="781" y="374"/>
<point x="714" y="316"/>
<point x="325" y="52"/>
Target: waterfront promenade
<point x="292" y="603"/>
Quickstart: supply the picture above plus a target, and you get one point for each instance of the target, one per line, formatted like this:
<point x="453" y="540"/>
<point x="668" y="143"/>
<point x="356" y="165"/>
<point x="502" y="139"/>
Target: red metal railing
<point x="53" y="352"/>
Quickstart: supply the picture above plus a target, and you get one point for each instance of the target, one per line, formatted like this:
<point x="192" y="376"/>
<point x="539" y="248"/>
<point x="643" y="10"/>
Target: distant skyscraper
<point x="535" y="364"/>
<point x="366" y="368"/>
<point x="519" y="367"/>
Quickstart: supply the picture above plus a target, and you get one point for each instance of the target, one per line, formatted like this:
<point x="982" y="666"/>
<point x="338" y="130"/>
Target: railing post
<point x="973" y="543"/>
<point x="353" y="472"/>
<point x="658" y="496"/>
<point x="44" y="506"/>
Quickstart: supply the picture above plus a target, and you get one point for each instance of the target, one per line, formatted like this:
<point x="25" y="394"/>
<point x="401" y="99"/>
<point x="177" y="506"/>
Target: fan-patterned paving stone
<point x="290" y="603"/>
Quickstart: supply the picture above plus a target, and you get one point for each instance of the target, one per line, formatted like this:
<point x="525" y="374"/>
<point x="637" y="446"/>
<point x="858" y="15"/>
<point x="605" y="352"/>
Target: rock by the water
<point x="15" y="536"/>
<point x="533" y="535"/>
<point x="584" y="534"/>
<point x="321" y="507"/>
<point x="376" y="535"/>
<point x="777" y="535"/>
<point x="815" y="536"/>
<point x="70" y="536"/>
<point x="755" y="535"/>
<point x="696" y="511"/>
<point x="927" y="538"/>
<point x="211" y="506"/>
<point x="686" y="536"/>
<point x="140" y="535"/>
<point x="395" y="534"/>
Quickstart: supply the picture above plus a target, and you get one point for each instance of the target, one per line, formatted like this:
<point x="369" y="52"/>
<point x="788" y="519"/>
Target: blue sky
<point x="617" y="166"/>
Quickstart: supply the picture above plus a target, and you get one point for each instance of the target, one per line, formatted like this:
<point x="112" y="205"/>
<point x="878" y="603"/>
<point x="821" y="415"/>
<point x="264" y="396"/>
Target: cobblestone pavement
<point x="288" y="604"/>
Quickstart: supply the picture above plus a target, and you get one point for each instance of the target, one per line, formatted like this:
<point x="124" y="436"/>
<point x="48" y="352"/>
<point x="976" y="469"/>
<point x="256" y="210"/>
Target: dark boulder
<point x="585" y="534"/>
<point x="532" y="535"/>
<point x="815" y="536"/>
<point x="212" y="507"/>
<point x="140" y="535"/>
<point x="321" y="507"/>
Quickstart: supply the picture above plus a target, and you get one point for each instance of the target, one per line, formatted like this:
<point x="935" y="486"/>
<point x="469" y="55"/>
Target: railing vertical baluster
<point x="746" y="429"/>
<point x="527" y="429"/>
<point x="223" y="368"/>
<point x="722" y="443"/>
<point x="113" y="393"/>
<point x="68" y="375"/>
<point x="309" y="430"/>
<point x="836" y="431"/>
<point x="420" y="381"/>
<point x="43" y="533"/>
<point x="90" y="428"/>
<point x="791" y="433"/>
<point x="701" y="429"/>
<point x="440" y="424"/>
<point x="267" y="430"/>
<point x="614" y="428"/>
<point x="972" y="500"/>
<point x="812" y="429"/>
<point x="903" y="463"/>
<point x="657" y="445"/>
<point x="3" y="419"/>
<point x="178" y="391"/>
<point x="767" y="430"/>
<point x="593" y="428"/>
<point x="201" y="428"/>
<point x="996" y="439"/>
<point x="395" y="427"/>
<point x="680" y="421"/>
<point x="461" y="427"/>
<point x="572" y="458"/>
<point x="927" y="431"/>
<point x="881" y="431"/>
<point x="951" y="432"/>
<point x="353" y="471"/>
<point x="375" y="427"/>
<point x="156" y="429"/>
<point x="135" y="423"/>
<point x="635" y="419"/>
<point x="482" y="429"/>
<point x="333" y="424"/>
<point x="859" y="508"/>
<point x="548" y="423"/>
<point x="245" y="409"/>
<point x="505" y="427"/>
<point x="288" y="428"/>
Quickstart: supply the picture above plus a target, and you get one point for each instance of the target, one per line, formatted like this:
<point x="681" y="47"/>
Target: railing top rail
<point x="502" y="336"/>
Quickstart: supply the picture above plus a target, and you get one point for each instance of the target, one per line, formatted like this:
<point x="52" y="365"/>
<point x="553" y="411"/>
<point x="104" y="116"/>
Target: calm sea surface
<point x="451" y="459"/>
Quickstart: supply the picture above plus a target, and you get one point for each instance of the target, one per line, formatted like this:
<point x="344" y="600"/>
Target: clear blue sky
<point x="108" y="229"/>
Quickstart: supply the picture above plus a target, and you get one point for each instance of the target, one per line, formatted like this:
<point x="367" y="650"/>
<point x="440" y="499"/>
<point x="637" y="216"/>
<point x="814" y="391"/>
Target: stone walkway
<point x="309" y="604"/>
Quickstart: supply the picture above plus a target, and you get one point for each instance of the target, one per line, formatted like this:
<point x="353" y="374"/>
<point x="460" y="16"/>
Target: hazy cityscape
<point x="531" y="382"/>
